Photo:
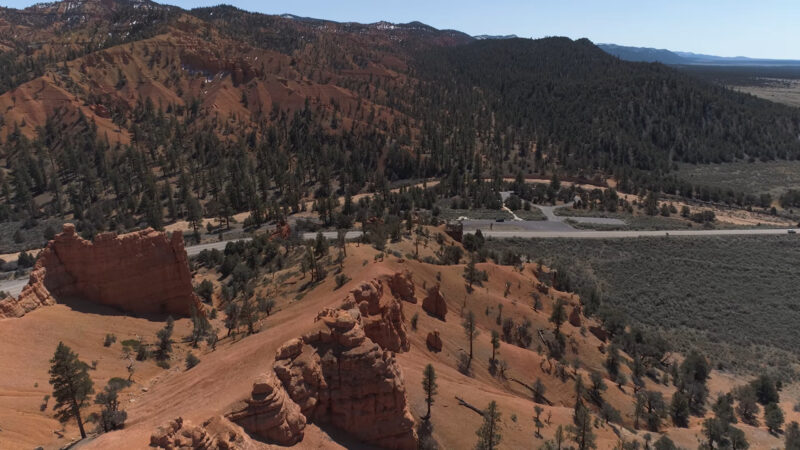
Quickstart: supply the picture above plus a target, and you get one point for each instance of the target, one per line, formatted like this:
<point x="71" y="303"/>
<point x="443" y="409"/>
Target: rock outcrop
<point x="337" y="375"/>
<point x="343" y="372"/>
<point x="215" y="434"/>
<point x="381" y="316"/>
<point x="269" y="413"/>
<point x="434" y="303"/>
<point x="434" y="341"/>
<point x="575" y="316"/>
<point x="140" y="272"/>
<point x="402" y="286"/>
<point x="599" y="333"/>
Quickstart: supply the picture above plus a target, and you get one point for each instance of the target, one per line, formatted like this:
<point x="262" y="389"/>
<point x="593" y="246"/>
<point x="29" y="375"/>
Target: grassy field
<point x="734" y="298"/>
<point x="780" y="84"/>
<point x="774" y="177"/>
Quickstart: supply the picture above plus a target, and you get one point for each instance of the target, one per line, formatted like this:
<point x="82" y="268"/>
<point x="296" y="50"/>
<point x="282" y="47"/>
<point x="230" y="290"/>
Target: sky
<point x="754" y="28"/>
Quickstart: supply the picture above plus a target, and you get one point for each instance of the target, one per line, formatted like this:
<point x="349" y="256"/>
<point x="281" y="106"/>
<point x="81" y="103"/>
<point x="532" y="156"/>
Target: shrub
<point x="110" y="339"/>
<point x="191" y="360"/>
<point x="341" y="279"/>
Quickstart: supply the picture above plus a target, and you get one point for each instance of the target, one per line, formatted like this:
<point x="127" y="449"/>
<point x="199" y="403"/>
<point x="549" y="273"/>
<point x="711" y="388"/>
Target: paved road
<point x="13" y="287"/>
<point x="352" y="234"/>
<point x="196" y="249"/>
<point x="584" y="234"/>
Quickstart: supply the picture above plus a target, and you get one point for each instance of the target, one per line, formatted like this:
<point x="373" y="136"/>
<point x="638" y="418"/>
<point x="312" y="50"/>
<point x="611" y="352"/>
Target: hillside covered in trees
<point x="128" y="113"/>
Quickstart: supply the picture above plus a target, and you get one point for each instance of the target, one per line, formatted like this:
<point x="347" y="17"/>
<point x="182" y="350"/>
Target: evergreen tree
<point x="72" y="385"/>
<point x="164" y="341"/>
<point x="111" y="416"/>
<point x="792" y="436"/>
<point x="489" y="432"/>
<point x="559" y="314"/>
<point x="495" y="345"/>
<point x="581" y="432"/>
<point x="679" y="409"/>
<point x="773" y="417"/>
<point x="429" y="386"/>
<point x="470" y="330"/>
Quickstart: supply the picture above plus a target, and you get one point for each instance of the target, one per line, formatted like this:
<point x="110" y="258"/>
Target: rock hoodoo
<point x="338" y="375"/>
<point x="402" y="286"/>
<point x="139" y="272"/>
<point x="269" y="413"/>
<point x="434" y="303"/>
<point x="381" y="316"/>
<point x="434" y="341"/>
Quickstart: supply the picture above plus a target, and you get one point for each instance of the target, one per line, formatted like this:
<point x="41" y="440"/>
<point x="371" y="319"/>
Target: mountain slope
<point x="148" y="114"/>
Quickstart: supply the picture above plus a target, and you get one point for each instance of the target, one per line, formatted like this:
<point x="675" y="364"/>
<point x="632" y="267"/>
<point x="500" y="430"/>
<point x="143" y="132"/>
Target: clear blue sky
<point x="755" y="28"/>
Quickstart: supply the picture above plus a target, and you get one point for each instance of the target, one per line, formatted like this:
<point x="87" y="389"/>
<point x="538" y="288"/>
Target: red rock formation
<point x="599" y="333"/>
<point x="381" y="316"/>
<point x="434" y="303"/>
<point x="140" y="272"/>
<point x="575" y="316"/>
<point x="215" y="434"/>
<point x="283" y="231"/>
<point x="33" y="295"/>
<point x="402" y="286"/>
<point x="269" y="413"/>
<point x="434" y="341"/>
<point x="339" y="376"/>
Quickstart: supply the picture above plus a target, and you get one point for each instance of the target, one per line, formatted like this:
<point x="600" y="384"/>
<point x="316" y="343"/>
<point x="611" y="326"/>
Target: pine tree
<point x="581" y="432"/>
<point x="495" y="345"/>
<point x="111" y="417"/>
<point x="559" y="314"/>
<point x="164" y="341"/>
<point x="792" y="441"/>
<point x="489" y="433"/>
<point x="773" y="417"/>
<point x="429" y="386"/>
<point x="72" y="385"/>
<point x="471" y="330"/>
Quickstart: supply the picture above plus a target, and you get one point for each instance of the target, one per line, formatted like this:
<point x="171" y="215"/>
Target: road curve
<point x="578" y="234"/>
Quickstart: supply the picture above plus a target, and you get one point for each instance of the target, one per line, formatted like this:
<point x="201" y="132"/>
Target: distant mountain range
<point x="483" y="37"/>
<point x="644" y="54"/>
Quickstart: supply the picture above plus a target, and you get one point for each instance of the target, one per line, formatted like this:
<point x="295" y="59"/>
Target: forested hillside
<point x="118" y="114"/>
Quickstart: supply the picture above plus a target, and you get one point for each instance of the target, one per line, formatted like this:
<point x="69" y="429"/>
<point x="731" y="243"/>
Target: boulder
<point x="434" y="303"/>
<point x="434" y="341"/>
<point x="575" y="316"/>
<point x="402" y="286"/>
<point x="142" y="272"/>
<point x="599" y="333"/>
<point x="269" y="413"/>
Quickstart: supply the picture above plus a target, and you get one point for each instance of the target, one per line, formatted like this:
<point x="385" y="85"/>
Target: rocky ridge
<point x="143" y="272"/>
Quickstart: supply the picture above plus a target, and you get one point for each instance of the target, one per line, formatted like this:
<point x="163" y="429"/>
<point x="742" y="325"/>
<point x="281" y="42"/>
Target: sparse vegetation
<point x="726" y="273"/>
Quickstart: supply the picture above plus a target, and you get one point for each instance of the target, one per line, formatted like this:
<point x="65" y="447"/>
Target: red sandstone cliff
<point x="141" y="272"/>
